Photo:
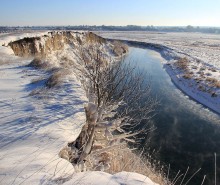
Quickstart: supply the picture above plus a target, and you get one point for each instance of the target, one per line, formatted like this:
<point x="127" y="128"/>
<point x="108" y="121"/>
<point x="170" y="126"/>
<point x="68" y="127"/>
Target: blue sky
<point x="110" y="12"/>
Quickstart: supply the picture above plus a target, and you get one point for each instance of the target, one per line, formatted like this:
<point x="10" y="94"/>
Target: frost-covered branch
<point x="119" y="101"/>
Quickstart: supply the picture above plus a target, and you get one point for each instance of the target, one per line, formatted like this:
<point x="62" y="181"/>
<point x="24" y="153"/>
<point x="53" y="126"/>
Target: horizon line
<point x="195" y="26"/>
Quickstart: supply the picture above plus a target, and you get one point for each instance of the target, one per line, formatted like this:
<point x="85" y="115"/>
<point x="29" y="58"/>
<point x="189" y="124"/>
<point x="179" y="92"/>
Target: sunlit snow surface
<point x="101" y="178"/>
<point x="33" y="130"/>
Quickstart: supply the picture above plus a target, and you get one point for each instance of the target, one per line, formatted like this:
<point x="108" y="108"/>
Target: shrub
<point x="119" y="48"/>
<point x="213" y="69"/>
<point x="202" y="69"/>
<point x="187" y="76"/>
<point x="217" y="84"/>
<point x="202" y="88"/>
<point x="182" y="63"/>
<point x="56" y="78"/>
<point x="194" y="67"/>
<point x="38" y="63"/>
<point x="201" y="73"/>
<point x="212" y="80"/>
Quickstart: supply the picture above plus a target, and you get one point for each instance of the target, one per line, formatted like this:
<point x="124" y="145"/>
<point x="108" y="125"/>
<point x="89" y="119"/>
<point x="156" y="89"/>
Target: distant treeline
<point x="188" y="28"/>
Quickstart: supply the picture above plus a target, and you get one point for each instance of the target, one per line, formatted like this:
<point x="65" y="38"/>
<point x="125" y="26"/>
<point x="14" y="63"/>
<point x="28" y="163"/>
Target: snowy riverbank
<point x="199" y="76"/>
<point x="37" y="122"/>
<point x="205" y="99"/>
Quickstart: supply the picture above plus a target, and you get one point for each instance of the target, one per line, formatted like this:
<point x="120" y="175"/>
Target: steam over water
<point x="187" y="134"/>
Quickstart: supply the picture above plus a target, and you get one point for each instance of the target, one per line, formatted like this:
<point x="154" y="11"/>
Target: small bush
<point x="212" y="80"/>
<point x="217" y="84"/>
<point x="182" y="63"/>
<point x="119" y="48"/>
<point x="202" y="88"/>
<point x="56" y="78"/>
<point x="194" y="67"/>
<point x="213" y="70"/>
<point x="198" y="79"/>
<point x="202" y="69"/>
<point x="38" y="63"/>
<point x="187" y="76"/>
<point x="201" y="73"/>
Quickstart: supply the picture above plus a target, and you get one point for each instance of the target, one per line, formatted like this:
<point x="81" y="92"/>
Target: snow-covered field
<point x="33" y="129"/>
<point x="200" y="79"/>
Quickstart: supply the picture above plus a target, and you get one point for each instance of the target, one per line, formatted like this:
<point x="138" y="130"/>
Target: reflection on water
<point x="187" y="134"/>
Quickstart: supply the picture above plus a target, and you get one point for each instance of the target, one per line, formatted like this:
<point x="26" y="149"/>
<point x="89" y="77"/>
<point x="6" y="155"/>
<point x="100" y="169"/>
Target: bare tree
<point x="119" y="100"/>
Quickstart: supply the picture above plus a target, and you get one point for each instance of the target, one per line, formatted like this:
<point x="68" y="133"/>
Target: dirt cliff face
<point x="40" y="46"/>
<point x="24" y="47"/>
<point x="53" y="41"/>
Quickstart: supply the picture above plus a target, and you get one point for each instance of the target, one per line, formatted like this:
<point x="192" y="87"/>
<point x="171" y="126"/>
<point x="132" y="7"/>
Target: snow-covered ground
<point x="33" y="129"/>
<point x="201" y="78"/>
<point x="101" y="178"/>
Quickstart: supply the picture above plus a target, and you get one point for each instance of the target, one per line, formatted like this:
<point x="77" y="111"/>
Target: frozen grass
<point x="182" y="63"/>
<point x="124" y="159"/>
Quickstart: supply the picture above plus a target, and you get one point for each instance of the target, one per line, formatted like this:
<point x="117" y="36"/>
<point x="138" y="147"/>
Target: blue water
<point x="187" y="134"/>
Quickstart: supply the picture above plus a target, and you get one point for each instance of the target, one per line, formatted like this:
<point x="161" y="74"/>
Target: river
<point x="187" y="134"/>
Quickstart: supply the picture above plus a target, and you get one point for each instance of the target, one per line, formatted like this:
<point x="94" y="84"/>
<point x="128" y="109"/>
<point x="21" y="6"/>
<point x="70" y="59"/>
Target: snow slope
<point x="33" y="129"/>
